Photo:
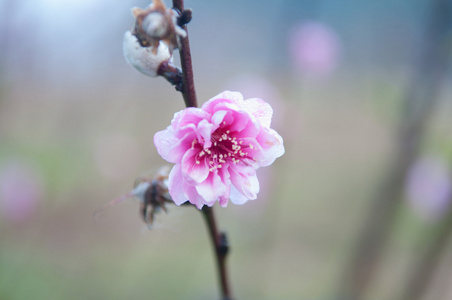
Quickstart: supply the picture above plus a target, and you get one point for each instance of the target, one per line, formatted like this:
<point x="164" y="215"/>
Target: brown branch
<point x="172" y="74"/>
<point x="188" y="87"/>
<point x="221" y="249"/>
<point x="219" y="240"/>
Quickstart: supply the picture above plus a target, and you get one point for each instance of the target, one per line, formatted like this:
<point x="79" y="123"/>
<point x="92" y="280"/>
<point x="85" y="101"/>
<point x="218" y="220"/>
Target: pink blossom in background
<point x="429" y="188"/>
<point x="315" y="49"/>
<point x="20" y="191"/>
<point x="218" y="148"/>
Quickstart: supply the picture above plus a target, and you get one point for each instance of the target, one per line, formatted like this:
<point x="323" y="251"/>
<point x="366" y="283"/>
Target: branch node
<point x="185" y="17"/>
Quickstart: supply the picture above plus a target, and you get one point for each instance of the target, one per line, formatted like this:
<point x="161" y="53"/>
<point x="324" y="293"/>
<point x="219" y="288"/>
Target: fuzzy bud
<point x="155" y="25"/>
<point x="143" y="58"/>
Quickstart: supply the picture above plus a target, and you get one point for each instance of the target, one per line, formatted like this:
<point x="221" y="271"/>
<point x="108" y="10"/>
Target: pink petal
<point x="171" y="148"/>
<point x="236" y="197"/>
<point x="194" y="196"/>
<point x="176" y="185"/>
<point x="204" y="133"/>
<point x="212" y="188"/>
<point x="245" y="181"/>
<point x="239" y="121"/>
<point x="218" y="118"/>
<point x="188" y="116"/>
<point x="217" y="103"/>
<point x="261" y="110"/>
<point x="196" y="173"/>
<point x="223" y="201"/>
<point x="272" y="145"/>
<point x="251" y="128"/>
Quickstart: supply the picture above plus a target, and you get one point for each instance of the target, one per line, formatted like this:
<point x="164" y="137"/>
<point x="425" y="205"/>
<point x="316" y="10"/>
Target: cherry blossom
<point x="217" y="149"/>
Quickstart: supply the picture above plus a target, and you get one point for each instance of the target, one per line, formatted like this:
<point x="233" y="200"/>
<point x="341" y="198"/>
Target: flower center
<point x="225" y="149"/>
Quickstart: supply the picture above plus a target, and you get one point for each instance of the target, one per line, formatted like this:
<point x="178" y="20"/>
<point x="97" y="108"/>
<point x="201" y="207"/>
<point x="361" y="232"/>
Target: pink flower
<point x="315" y="48"/>
<point x="218" y="148"/>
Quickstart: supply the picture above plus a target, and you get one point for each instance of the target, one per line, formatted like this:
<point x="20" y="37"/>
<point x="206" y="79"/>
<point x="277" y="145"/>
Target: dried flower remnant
<point x="151" y="192"/>
<point x="157" y="23"/>
<point x="218" y="148"/>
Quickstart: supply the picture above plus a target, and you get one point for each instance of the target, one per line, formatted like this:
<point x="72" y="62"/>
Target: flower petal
<point x="212" y="188"/>
<point x="194" y="168"/>
<point x="189" y="116"/>
<point x="171" y="148"/>
<point x="261" y="110"/>
<point x="224" y="97"/>
<point x="237" y="197"/>
<point x="245" y="181"/>
<point x="204" y="133"/>
<point x="217" y="118"/>
<point x="194" y="196"/>
<point x="272" y="145"/>
<point x="176" y="185"/>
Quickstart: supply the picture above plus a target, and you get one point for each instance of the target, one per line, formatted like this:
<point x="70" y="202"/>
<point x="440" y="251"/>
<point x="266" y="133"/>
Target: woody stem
<point x="221" y="248"/>
<point x="188" y="86"/>
<point x="218" y="239"/>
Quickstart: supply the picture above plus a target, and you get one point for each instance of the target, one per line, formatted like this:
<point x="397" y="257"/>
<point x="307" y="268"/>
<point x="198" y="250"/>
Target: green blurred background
<point x="77" y="126"/>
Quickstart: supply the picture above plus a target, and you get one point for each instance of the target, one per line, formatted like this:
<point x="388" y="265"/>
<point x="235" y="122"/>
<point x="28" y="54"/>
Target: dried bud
<point x="143" y="59"/>
<point x="157" y="23"/>
<point x="153" y="194"/>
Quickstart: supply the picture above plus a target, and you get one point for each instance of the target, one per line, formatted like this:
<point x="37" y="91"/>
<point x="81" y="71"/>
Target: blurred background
<point x="357" y="208"/>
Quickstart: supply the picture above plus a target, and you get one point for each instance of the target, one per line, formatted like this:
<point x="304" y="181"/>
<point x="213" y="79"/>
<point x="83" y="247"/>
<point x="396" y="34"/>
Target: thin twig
<point x="188" y="88"/>
<point x="218" y="239"/>
<point x="171" y="73"/>
<point x="221" y="249"/>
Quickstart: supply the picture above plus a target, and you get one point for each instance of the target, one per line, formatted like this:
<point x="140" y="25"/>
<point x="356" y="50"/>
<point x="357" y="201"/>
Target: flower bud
<point x="155" y="25"/>
<point x="153" y="194"/>
<point x="143" y="58"/>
